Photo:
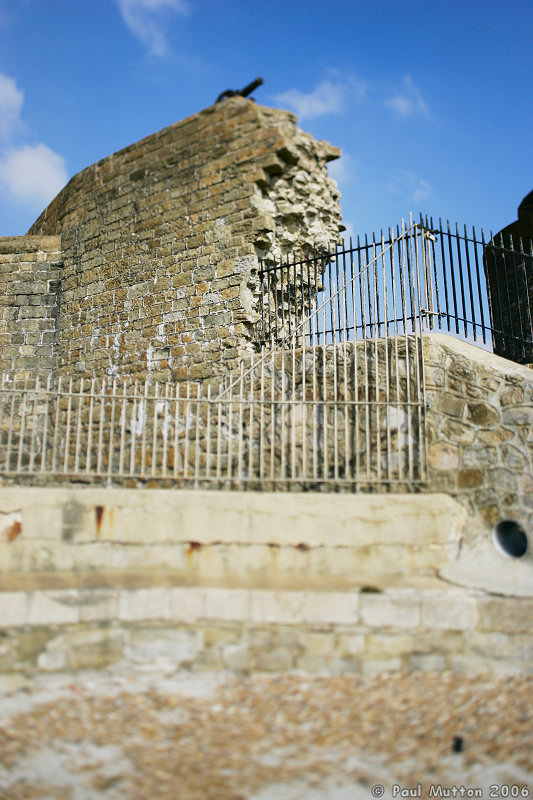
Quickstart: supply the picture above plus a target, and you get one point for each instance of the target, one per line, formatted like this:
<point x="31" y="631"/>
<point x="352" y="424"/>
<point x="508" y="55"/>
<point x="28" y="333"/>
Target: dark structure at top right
<point x="509" y="268"/>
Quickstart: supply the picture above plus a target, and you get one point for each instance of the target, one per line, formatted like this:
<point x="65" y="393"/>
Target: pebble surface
<point x="269" y="737"/>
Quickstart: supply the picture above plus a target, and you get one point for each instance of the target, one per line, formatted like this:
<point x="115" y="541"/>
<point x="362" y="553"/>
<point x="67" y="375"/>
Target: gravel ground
<point x="269" y="737"/>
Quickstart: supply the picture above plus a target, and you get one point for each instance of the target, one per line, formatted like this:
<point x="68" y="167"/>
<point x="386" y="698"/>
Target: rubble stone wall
<point x="160" y="245"/>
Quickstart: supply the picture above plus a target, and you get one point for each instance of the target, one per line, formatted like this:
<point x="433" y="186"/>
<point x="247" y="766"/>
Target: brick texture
<point x="158" y="270"/>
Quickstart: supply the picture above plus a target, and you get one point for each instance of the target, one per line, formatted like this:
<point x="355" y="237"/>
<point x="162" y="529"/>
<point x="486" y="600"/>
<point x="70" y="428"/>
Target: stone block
<point x="14" y="609"/>
<point x="350" y="644"/>
<point x="383" y="646"/>
<point x="427" y="662"/>
<point x="336" y="608"/>
<point x="93" y="648"/>
<point x="98" y="605"/>
<point x="386" y="611"/>
<point x="227" y="604"/>
<point x="13" y="682"/>
<point x="443" y="457"/>
<point x="187" y="603"/>
<point x="317" y="644"/>
<point x="141" y="604"/>
<point x="447" y="611"/>
<point x="54" y="608"/>
<point x="277" y="660"/>
<point x="507" y="614"/>
<point x="163" y="649"/>
<point x="237" y="657"/>
<point x="277" y="607"/>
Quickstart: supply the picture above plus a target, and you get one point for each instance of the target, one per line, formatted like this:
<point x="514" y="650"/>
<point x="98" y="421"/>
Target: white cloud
<point x="348" y="232"/>
<point x="30" y="174"/>
<point x="11" y="100"/>
<point x="341" y="169"/>
<point x="329" y="97"/>
<point x="410" y="188"/>
<point x="147" y="19"/>
<point x="408" y="102"/>
<point x="33" y="173"/>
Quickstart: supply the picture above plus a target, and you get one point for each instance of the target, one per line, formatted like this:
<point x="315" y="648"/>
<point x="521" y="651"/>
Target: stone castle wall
<point x="160" y="244"/>
<point x="30" y="276"/>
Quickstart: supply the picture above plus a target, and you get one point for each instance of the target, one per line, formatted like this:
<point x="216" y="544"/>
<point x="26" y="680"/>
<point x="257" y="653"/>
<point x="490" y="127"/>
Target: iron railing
<point x="334" y="416"/>
<point x="416" y="277"/>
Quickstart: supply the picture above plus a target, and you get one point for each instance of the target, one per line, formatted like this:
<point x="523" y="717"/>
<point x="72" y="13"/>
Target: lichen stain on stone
<point x="10" y="525"/>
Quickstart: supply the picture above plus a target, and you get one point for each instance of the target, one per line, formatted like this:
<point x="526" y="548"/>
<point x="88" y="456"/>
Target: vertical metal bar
<point x="517" y="341"/>
<point x="461" y="280"/>
<point x="435" y="271"/>
<point x="283" y="454"/>
<point x="478" y="280"/>
<point x="133" y="426"/>
<point x="303" y="469"/>
<point x="176" y="459"/>
<point x="240" y="423"/>
<point x="197" y="438"/>
<point x="355" y="455"/>
<point x="22" y="424"/>
<point x="262" y="417"/>
<point x="292" y="411"/>
<point x="11" y="427"/>
<point x="67" y="431"/>
<point x="452" y="273"/>
<point x="56" y="426"/>
<point x="262" y="281"/>
<point x="376" y="332"/>
<point x="219" y="438"/>
<point x="470" y="289"/>
<point x="111" y="429"/>
<point x="251" y="401"/>
<point x="123" y="414"/>
<point x="396" y="354"/>
<point x="325" y="472"/>
<point x="88" y="462"/>
<point x="229" y="471"/>
<point x="45" y="426"/>
<point x="101" y="429"/>
<point x="345" y="375"/>
<point x="33" y="424"/>
<point x="386" y="357"/>
<point x="403" y="255"/>
<point x="335" y="389"/>
<point x="186" y="414"/>
<point x="208" y="435"/>
<point x="78" y="429"/>
<point x="154" y="429"/>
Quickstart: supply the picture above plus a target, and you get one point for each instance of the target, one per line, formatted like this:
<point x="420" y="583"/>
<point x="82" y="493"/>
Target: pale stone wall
<point x="480" y="437"/>
<point x="132" y="581"/>
<point x="30" y="272"/>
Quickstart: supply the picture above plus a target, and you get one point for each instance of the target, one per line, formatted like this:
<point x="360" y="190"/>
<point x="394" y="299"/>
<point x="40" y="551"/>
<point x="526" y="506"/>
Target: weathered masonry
<point x="148" y="258"/>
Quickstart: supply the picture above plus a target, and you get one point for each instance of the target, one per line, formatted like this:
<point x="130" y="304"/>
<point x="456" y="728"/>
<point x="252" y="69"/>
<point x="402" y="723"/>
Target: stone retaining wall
<point x="150" y="581"/>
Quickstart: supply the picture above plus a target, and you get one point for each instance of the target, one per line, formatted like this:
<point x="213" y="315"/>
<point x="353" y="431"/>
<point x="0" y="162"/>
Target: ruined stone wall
<point x="30" y="273"/>
<point x="160" y="241"/>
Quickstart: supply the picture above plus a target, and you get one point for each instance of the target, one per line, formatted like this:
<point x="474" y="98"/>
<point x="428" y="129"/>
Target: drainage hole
<point x="509" y="538"/>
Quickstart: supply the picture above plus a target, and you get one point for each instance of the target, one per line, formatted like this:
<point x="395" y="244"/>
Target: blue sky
<point x="430" y="102"/>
